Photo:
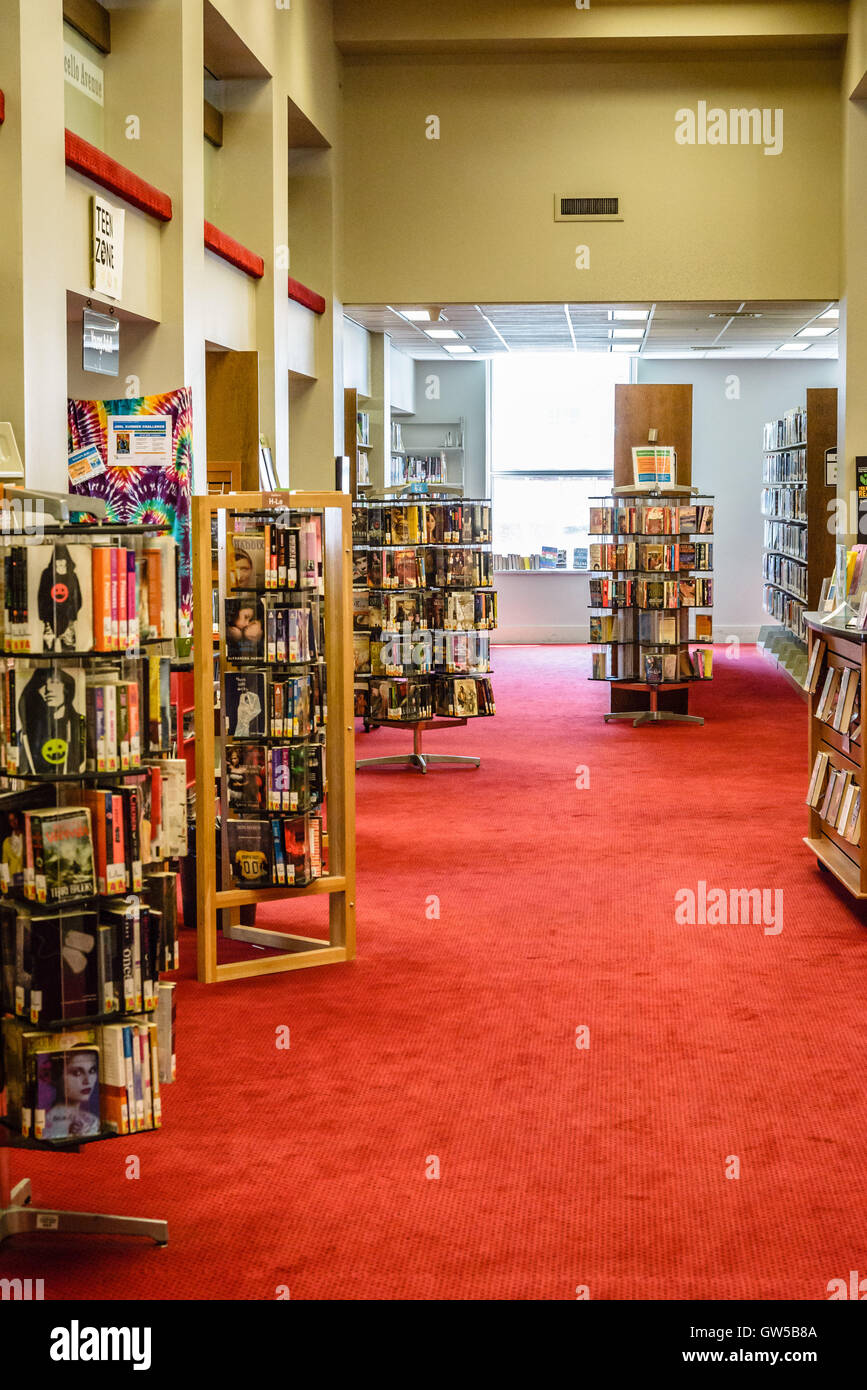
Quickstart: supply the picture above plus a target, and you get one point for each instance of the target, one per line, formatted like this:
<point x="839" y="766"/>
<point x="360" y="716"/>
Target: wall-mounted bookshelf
<point x="798" y="483"/>
<point x="837" y="681"/>
<point x="427" y="452"/>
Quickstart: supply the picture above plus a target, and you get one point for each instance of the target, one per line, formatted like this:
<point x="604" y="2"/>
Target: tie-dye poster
<point x="144" y="493"/>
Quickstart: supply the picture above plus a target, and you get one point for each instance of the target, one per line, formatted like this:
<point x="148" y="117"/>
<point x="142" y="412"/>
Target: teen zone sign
<point x="106" y="248"/>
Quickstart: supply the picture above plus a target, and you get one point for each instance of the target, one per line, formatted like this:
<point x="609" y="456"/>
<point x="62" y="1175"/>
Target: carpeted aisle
<point x="500" y="910"/>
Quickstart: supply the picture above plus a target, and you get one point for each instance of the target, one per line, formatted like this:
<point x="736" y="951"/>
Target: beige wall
<point x="476" y="206"/>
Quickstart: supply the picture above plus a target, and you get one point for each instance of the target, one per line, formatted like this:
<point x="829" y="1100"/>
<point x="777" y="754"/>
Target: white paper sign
<point x="134" y="440"/>
<point x="83" y="75"/>
<point x="106" y="248"/>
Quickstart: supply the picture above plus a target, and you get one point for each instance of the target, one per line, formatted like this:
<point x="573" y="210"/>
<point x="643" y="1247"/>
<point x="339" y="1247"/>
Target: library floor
<point x="453" y="1038"/>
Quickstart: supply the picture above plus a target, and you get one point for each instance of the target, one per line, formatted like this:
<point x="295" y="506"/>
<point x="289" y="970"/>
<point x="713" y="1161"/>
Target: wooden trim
<point x="91" y="20"/>
<point x="309" y="298"/>
<point x="86" y="159"/>
<point x="212" y="125"/>
<point x="232" y="251"/>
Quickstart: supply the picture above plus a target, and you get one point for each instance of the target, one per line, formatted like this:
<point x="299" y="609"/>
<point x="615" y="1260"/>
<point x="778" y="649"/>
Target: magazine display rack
<point x="91" y="827"/>
<point x="274" y="630"/>
<point x="649" y="572"/>
<point x="423" y="610"/>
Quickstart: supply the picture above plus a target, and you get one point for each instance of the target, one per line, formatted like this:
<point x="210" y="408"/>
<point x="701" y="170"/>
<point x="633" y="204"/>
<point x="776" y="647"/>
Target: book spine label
<point x="111" y="745"/>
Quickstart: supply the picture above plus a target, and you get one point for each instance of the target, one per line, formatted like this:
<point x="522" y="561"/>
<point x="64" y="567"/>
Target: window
<point x="552" y="445"/>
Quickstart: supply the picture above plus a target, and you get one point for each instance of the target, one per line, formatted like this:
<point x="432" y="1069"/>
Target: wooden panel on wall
<point x="821" y="436"/>
<point x="664" y="407"/>
<point x="232" y="383"/>
<point x="91" y="20"/>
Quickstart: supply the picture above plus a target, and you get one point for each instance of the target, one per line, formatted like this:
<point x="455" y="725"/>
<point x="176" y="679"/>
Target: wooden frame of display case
<point x="844" y="647"/>
<point x="298" y="952"/>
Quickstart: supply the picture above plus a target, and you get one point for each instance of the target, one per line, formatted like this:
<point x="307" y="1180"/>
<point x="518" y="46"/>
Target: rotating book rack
<point x="280" y="518"/>
<point x="46" y="633"/>
<point x="648" y="571"/>
<point x="423" y="609"/>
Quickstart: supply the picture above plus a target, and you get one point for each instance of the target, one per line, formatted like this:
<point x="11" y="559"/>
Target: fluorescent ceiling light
<point x="631" y="313"/>
<point x="441" y="333"/>
<point x="459" y="347"/>
<point x="830" y="314"/>
<point x="793" y="347"/>
<point x="629" y="332"/>
<point x="624" y="347"/>
<point x="814" y="331"/>
<point x="416" y="315"/>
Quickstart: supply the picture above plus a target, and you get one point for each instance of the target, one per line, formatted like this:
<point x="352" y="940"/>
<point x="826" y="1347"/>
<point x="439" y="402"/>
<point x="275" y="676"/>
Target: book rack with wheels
<point x="648" y="572"/>
<point x="310" y="604"/>
<point x="87" y="850"/>
<point x="838" y="658"/>
<point x="423" y="610"/>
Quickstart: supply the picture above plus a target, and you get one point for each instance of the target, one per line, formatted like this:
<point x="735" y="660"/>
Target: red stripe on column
<point x="2" y="108"/>
<point x="232" y="251"/>
<point x="88" y="160"/>
<point x="309" y="298"/>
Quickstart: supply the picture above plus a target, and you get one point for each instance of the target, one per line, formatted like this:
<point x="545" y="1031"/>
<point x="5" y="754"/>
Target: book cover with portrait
<point x="59" y="598"/>
<point x="245" y="628"/>
<point x="50" y="719"/>
<point x="67" y="1094"/>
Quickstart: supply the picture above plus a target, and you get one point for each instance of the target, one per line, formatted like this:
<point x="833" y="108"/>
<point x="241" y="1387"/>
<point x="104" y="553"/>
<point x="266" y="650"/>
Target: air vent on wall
<point x="575" y="209"/>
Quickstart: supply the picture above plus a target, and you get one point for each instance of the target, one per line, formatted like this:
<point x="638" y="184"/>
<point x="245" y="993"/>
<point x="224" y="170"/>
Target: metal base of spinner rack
<point x="418" y="759"/>
<point x="19" y="1217"/>
<point x="654" y="715"/>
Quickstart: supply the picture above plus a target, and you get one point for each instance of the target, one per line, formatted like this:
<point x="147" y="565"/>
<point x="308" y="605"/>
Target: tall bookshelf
<point x="280" y="780"/>
<point x="423" y="611"/>
<point x="90" y="839"/>
<point x="838" y="657"/>
<point x="357" y="440"/>
<point x="798" y="484"/>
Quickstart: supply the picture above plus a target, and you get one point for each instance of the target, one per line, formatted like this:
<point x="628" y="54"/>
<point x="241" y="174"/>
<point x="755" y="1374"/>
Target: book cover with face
<point x="49" y="718"/>
<point x="60" y="598"/>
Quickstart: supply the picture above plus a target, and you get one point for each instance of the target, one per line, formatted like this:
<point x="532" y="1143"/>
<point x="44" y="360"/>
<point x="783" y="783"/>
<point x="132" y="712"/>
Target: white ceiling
<point x="672" y="330"/>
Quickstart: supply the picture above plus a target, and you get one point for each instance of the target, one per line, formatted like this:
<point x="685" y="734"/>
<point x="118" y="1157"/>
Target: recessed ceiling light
<point x="624" y="347"/>
<point x="629" y="332"/>
<point x="459" y="347"/>
<point x="793" y="347"/>
<point x="830" y="314"/>
<point x="631" y="313"/>
<point x="441" y="333"/>
<point x="814" y="331"/>
<point x="416" y="315"/>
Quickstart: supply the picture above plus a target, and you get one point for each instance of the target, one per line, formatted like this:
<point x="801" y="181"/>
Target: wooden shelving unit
<point x="796" y="505"/>
<point x="836" y="854"/>
<point x="220" y="905"/>
<point x="357" y="453"/>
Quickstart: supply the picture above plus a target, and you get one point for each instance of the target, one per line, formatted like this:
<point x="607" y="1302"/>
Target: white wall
<point x="356" y="357"/>
<point x="462" y="395"/>
<point x="402" y="377"/>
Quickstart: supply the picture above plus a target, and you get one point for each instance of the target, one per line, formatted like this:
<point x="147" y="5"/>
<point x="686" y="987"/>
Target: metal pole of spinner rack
<point x="418" y="758"/>
<point x="297" y="952"/>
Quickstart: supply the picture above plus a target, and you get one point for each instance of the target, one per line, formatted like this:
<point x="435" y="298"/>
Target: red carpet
<point x="455" y="1038"/>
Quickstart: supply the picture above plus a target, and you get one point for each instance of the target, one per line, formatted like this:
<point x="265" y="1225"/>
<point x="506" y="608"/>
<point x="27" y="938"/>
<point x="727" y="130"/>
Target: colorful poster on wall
<point x="139" y="439"/>
<point x="153" y="488"/>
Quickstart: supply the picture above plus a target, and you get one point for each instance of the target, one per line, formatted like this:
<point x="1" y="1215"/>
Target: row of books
<point x="651" y="593"/>
<point x="89" y="1082"/>
<point x="437" y="567"/>
<point x="652" y="667"/>
<point x="787" y="467"/>
<point x="792" y="429"/>
<point x="266" y="628"/>
<point x="67" y="966"/>
<point x="651" y="520"/>
<point x="275" y="851"/>
<point x="462" y="610"/>
<point x="271" y="704"/>
<point x="834" y="792"/>
<point x="80" y="598"/>
<point x="283" y="552"/>
<point x="785" y="609"/>
<point x="422" y="468"/>
<point x="652" y="558"/>
<point x="412" y="699"/>
<point x="54" y="854"/>
<point x="788" y="574"/>
<point x="62" y="719"/>
<point x="788" y="539"/>
<point x="263" y="777"/>
<point x="658" y="629"/>
<point x="837" y="704"/>
<point x="784" y="503"/>
<point x="399" y="654"/>
<point x="413" y="522"/>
